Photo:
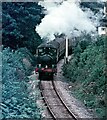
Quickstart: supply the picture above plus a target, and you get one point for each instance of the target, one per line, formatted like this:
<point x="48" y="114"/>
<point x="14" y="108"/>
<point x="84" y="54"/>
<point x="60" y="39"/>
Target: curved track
<point x="54" y="101"/>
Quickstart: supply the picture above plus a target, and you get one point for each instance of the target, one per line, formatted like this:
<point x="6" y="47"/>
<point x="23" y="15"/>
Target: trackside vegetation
<point x="86" y="73"/>
<point x="19" y="43"/>
<point x="17" y="100"/>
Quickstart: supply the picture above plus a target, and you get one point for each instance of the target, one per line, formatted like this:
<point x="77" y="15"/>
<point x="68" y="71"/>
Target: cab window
<point x="40" y="51"/>
<point x="53" y="51"/>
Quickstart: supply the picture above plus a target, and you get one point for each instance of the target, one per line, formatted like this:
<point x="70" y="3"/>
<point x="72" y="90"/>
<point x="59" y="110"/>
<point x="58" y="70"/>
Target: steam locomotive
<point x="48" y="54"/>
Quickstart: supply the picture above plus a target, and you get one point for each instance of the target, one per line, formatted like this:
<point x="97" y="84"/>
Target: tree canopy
<point x="18" y="21"/>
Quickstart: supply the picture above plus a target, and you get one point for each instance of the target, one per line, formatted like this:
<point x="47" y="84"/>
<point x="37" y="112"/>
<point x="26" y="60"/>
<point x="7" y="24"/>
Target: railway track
<point x="54" y="102"/>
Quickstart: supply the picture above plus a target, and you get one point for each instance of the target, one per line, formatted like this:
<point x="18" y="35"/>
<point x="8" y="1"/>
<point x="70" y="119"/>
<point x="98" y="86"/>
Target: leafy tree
<point x="19" y="20"/>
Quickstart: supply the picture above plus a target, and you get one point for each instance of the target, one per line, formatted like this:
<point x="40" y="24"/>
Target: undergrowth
<point x="86" y="71"/>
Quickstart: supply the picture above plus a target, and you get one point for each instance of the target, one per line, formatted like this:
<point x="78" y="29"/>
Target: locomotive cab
<point x="46" y="50"/>
<point x="46" y="60"/>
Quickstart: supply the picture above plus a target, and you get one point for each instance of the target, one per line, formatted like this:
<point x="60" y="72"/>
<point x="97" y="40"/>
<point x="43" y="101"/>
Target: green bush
<point x="17" y="101"/>
<point x="86" y="70"/>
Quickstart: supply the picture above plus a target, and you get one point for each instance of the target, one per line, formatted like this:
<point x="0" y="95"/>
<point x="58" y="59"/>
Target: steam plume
<point x="64" y="17"/>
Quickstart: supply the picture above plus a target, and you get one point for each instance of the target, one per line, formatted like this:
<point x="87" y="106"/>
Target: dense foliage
<point x="19" y="38"/>
<point x="86" y="71"/>
<point x="17" y="101"/>
<point x="18" y="21"/>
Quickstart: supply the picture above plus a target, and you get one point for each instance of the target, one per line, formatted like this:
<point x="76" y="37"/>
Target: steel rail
<point x="46" y="103"/>
<point x="60" y="98"/>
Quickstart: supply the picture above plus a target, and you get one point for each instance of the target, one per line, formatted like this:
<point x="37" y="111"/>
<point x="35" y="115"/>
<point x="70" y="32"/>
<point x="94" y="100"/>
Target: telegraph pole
<point x="66" y="50"/>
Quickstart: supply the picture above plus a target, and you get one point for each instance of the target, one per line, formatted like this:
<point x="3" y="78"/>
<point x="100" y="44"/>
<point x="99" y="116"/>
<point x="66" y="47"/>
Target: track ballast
<point x="54" y="102"/>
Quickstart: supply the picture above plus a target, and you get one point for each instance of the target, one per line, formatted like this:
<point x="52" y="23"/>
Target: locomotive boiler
<point x="48" y="54"/>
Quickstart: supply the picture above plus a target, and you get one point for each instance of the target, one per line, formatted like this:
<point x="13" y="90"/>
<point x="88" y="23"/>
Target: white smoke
<point x="64" y="17"/>
<point x="102" y="0"/>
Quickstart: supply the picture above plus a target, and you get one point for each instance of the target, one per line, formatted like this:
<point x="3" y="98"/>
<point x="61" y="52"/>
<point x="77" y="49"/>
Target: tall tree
<point x="19" y="20"/>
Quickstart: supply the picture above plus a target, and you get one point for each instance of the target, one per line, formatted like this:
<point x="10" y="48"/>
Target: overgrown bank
<point x="20" y="41"/>
<point x="86" y="75"/>
<point x="17" y="100"/>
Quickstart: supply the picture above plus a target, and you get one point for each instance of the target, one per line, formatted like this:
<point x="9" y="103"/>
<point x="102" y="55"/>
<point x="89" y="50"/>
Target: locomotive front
<point x="46" y="61"/>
